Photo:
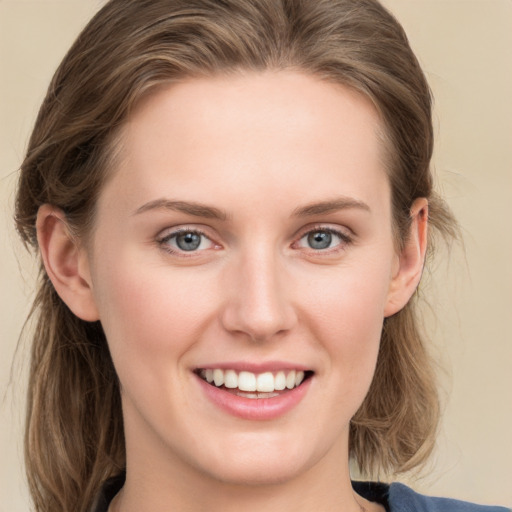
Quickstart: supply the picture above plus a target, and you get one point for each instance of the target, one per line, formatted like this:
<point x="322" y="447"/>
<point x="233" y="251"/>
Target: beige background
<point x="465" y="47"/>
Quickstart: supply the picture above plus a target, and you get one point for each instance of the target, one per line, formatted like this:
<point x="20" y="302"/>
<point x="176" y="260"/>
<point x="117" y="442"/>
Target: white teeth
<point x="290" y="380"/>
<point x="230" y="379"/>
<point x="266" y="382"/>
<point x="218" y="377"/>
<point x="279" y="381"/>
<point x="244" y="394"/>
<point x="247" y="381"/>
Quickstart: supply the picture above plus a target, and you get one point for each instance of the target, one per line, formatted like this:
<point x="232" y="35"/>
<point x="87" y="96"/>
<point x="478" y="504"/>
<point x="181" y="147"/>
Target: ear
<point x="66" y="263"/>
<point x="410" y="260"/>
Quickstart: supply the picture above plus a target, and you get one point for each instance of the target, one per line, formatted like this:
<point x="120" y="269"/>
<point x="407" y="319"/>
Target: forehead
<point x="260" y="132"/>
<point x="259" y="104"/>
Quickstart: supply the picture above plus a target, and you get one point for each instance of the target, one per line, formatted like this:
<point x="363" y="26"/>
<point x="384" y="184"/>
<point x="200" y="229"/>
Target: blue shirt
<point x="397" y="497"/>
<point x="393" y="497"/>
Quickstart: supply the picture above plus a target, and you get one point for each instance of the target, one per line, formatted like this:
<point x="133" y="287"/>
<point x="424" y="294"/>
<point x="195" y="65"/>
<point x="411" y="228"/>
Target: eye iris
<point x="188" y="241"/>
<point x="319" y="239"/>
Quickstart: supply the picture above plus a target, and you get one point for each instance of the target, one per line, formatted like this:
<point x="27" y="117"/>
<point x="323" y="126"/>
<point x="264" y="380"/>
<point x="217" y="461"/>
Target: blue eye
<point x="185" y="241"/>
<point x="188" y="241"/>
<point x="319" y="240"/>
<point x="322" y="239"/>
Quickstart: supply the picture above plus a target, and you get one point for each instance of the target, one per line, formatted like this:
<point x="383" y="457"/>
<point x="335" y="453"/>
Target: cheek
<point x="350" y="300"/>
<point x="150" y="314"/>
<point x="345" y="311"/>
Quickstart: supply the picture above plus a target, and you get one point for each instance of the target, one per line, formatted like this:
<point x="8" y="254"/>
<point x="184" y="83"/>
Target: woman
<point x="230" y="200"/>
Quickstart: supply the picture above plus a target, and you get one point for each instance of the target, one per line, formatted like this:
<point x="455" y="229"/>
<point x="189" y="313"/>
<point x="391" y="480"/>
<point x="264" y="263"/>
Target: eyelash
<point x="345" y="240"/>
<point x="163" y="242"/>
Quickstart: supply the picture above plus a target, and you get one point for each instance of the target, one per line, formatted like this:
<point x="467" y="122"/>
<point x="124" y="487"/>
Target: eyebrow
<point x="331" y="206"/>
<point x="210" y="212"/>
<point x="190" y="208"/>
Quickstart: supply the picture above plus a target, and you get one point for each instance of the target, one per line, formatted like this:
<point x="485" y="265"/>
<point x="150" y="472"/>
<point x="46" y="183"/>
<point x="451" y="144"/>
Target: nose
<point x="258" y="304"/>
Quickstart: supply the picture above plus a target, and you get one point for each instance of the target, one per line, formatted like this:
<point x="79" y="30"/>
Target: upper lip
<point x="255" y="367"/>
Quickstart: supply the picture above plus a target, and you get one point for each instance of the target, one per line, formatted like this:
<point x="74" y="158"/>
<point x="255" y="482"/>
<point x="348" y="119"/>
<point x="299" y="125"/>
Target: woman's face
<point x="246" y="234"/>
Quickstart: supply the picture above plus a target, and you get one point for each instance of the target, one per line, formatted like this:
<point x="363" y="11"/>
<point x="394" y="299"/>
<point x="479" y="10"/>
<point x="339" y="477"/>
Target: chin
<point x="259" y="462"/>
<point x="258" y="473"/>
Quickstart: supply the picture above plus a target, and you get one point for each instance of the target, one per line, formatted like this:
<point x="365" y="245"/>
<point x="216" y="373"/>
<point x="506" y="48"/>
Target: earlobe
<point x="65" y="262"/>
<point x="411" y="260"/>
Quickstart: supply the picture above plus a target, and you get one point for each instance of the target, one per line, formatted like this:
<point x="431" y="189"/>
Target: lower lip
<point x="255" y="408"/>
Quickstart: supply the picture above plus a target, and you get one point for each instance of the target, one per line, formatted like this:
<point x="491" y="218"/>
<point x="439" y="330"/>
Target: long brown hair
<point x="74" y="430"/>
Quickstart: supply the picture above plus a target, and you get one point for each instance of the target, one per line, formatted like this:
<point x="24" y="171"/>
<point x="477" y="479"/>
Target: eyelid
<point x="170" y="233"/>
<point x="345" y="234"/>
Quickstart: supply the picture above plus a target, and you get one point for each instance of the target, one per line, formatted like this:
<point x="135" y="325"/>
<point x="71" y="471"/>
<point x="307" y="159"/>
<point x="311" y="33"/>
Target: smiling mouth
<point x="254" y="385"/>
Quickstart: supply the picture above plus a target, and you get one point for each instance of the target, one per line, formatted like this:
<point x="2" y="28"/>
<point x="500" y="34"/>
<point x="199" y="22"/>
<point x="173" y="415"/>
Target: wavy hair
<point x="74" y="431"/>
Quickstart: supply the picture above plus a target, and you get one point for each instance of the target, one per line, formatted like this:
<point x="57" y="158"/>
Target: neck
<point x="162" y="476"/>
<point x="161" y="487"/>
<point x="230" y="499"/>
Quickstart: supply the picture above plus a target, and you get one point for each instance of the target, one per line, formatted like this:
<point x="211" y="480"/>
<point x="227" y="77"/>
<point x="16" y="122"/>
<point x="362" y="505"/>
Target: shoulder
<point x="403" y="499"/>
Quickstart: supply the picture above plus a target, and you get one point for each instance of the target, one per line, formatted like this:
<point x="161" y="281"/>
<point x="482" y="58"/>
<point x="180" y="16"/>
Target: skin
<point x="255" y="148"/>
